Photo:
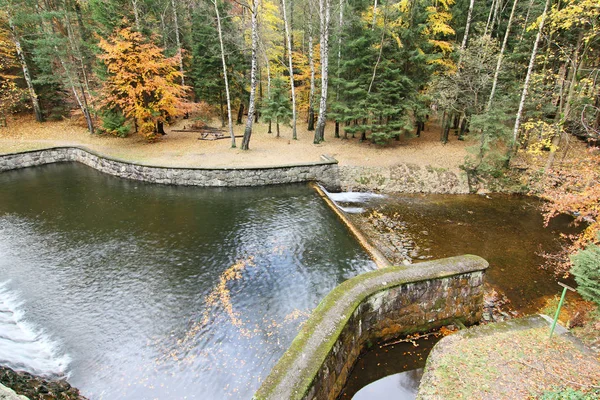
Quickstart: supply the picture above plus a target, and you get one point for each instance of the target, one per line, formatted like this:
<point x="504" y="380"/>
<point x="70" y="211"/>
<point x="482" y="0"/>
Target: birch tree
<point x="288" y="42"/>
<point x="178" y="41"/>
<point x="225" y="78"/>
<point x="528" y="76"/>
<point x="253" y="76"/>
<point x="324" y="13"/>
<point x="468" y="25"/>
<point x="32" y="93"/>
<point x="500" y="56"/>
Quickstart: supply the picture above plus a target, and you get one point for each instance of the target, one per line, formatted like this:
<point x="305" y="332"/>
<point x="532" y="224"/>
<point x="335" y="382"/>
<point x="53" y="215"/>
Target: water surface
<point x="164" y="292"/>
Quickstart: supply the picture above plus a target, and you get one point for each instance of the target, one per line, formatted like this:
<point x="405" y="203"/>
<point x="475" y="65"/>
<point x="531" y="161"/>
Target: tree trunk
<point x="240" y="113"/>
<point x="499" y="63"/>
<point x="225" y="78"/>
<point x="464" y="126"/>
<point x="567" y="110"/>
<point x="526" y="20"/>
<point x="311" y="63"/>
<point x="253" y="80"/>
<point x="337" y="129"/>
<point x="32" y="94"/>
<point x="374" y="15"/>
<point x="493" y="15"/>
<point x="160" y="128"/>
<point x="221" y="107"/>
<point x="528" y="78"/>
<point x="291" y="68"/>
<point x="469" y="16"/>
<point x="136" y="15"/>
<point x="489" y="19"/>
<point x="178" y="41"/>
<point x="324" y="11"/>
<point x="277" y="126"/>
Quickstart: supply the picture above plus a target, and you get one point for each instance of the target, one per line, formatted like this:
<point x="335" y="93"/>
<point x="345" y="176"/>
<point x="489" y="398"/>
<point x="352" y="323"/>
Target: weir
<point x="374" y="307"/>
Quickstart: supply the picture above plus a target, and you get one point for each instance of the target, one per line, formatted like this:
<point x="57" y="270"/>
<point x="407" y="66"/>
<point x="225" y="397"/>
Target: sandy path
<point x="183" y="148"/>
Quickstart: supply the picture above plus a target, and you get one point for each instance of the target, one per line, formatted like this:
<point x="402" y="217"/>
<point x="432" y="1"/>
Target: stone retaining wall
<point x="374" y="307"/>
<point x="325" y="172"/>
<point x="402" y="178"/>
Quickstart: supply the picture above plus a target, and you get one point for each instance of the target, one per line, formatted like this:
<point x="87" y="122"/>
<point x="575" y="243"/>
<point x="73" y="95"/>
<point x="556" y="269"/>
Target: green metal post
<point x="560" y="303"/>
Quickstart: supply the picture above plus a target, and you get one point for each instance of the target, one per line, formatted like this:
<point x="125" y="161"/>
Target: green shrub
<point x="586" y="269"/>
<point x="569" y="394"/>
<point x="114" y="122"/>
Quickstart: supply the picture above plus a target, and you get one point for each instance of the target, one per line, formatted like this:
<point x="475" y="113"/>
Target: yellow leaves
<point x="540" y="134"/>
<point x="445" y="47"/>
<point x="142" y="83"/>
<point x="438" y="21"/>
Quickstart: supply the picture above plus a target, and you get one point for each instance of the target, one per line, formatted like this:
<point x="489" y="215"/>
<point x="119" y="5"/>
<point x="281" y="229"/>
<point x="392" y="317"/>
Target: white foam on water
<point x="353" y="197"/>
<point x="23" y="346"/>
<point x="352" y="210"/>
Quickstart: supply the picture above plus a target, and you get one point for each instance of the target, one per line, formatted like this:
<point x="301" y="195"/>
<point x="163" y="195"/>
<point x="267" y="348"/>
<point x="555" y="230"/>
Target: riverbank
<point x="510" y="360"/>
<point x="35" y="387"/>
<point x="183" y="149"/>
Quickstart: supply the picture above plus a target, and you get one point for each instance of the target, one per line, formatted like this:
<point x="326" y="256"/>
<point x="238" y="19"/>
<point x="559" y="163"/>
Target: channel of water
<point x="143" y="291"/>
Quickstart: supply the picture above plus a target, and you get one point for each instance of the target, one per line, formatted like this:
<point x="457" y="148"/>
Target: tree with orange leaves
<point x="142" y="83"/>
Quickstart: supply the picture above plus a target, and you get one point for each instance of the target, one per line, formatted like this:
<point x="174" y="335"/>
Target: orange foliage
<point x="142" y="83"/>
<point x="574" y="188"/>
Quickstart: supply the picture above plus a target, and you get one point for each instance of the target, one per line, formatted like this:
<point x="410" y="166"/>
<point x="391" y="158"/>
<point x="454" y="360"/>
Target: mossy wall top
<point x="375" y="306"/>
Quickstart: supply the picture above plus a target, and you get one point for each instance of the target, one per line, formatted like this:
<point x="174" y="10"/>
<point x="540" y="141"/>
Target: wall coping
<point x="292" y="376"/>
<point x="325" y="160"/>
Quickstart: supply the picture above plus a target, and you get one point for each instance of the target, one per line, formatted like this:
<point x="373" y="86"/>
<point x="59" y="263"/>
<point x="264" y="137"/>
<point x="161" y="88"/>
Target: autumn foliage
<point x="142" y="83"/>
<point x="10" y="93"/>
<point x="573" y="189"/>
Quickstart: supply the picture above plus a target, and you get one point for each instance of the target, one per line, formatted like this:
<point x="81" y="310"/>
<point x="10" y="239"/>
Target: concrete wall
<point x="324" y="171"/>
<point x="374" y="307"/>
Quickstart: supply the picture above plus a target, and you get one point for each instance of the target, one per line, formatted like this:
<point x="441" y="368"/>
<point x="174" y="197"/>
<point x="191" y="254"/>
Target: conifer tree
<point x="277" y="108"/>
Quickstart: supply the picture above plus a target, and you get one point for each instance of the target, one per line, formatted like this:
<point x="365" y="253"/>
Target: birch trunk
<point x="288" y="42"/>
<point x="136" y="15"/>
<point x="251" y="105"/>
<point x="324" y="12"/>
<point x="501" y="55"/>
<point x="526" y="20"/>
<point x="528" y="77"/>
<point x="487" y="25"/>
<point x="225" y="78"/>
<point x="80" y="98"/>
<point x="467" y="27"/>
<point x="339" y="60"/>
<point x="178" y="41"/>
<point x="32" y="94"/>
<point x="374" y="15"/>
<point x="311" y="97"/>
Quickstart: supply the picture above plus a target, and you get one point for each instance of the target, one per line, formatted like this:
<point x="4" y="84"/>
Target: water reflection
<point x="402" y="386"/>
<point x="167" y="292"/>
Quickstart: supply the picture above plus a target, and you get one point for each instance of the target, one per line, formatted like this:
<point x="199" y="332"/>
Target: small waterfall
<point x="347" y="201"/>
<point x="23" y="346"/>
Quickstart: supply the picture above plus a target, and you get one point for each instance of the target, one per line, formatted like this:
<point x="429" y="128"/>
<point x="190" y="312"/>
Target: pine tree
<point x="278" y="107"/>
<point x="586" y="272"/>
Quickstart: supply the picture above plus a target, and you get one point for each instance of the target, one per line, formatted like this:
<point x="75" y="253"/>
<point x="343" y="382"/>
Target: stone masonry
<point x="324" y="172"/>
<point x="374" y="307"/>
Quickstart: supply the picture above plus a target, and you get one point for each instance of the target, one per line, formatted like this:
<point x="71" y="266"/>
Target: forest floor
<point x="511" y="360"/>
<point x="183" y="149"/>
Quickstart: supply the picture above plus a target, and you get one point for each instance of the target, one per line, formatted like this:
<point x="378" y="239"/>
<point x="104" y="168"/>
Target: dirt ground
<point x="184" y="148"/>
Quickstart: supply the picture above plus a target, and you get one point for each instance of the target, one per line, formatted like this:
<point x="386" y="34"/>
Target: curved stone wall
<point x="325" y="172"/>
<point x="374" y="307"/>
